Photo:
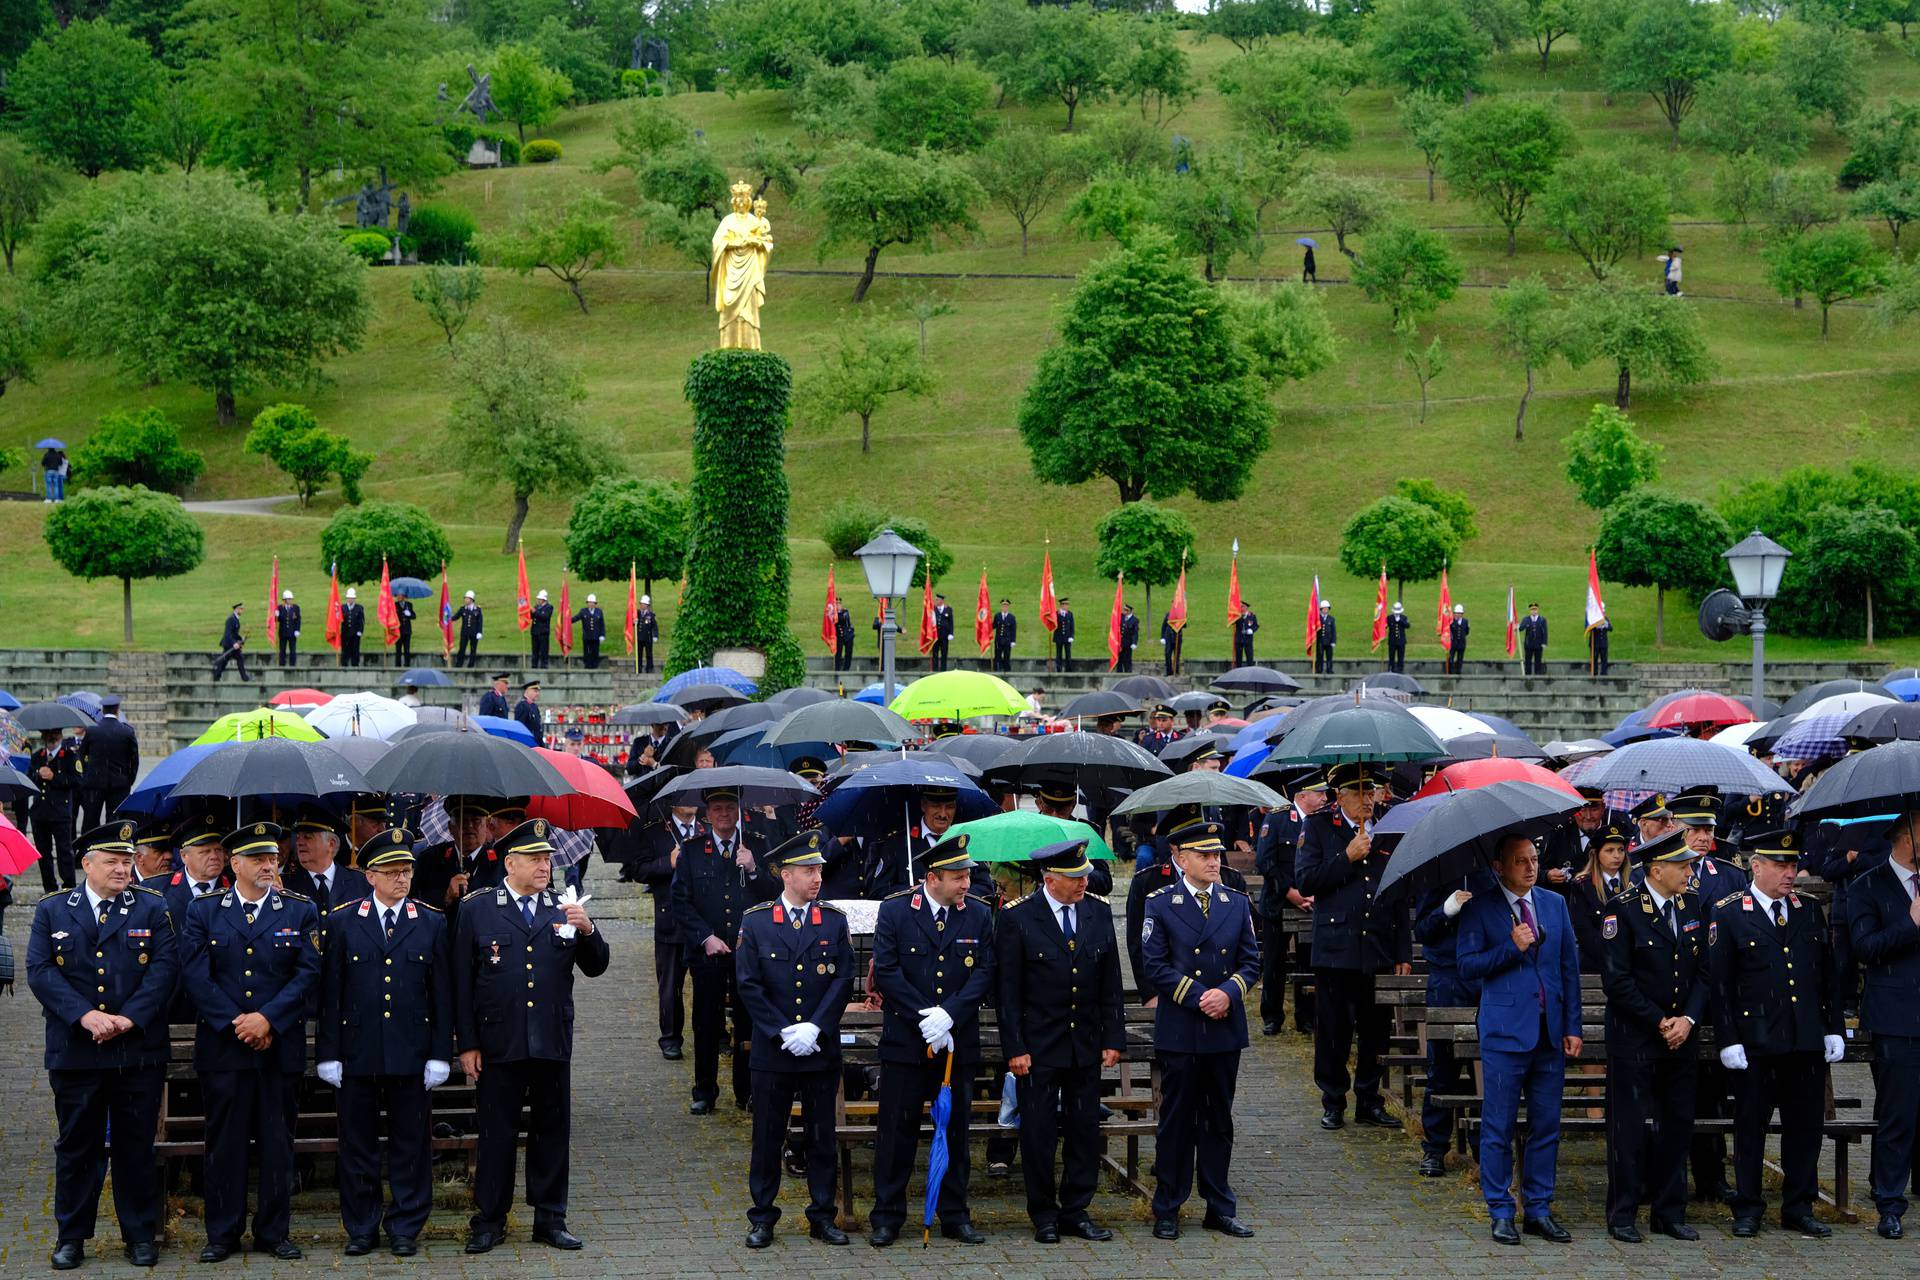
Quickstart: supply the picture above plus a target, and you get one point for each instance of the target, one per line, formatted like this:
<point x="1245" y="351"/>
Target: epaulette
<point x="1230" y="889"/>
<point x="1098" y="898"/>
<point x="1165" y="888"/>
<point x="1729" y="899"/>
<point x="974" y="897"/>
<point x="57" y="893"/>
<point x="1014" y="902"/>
<point x="758" y="906"/>
<point x="828" y="906"/>
<point x="428" y="905"/>
<point x="140" y="888"/>
<point x="901" y="893"/>
<point x="337" y="908"/>
<point x="475" y="893"/>
<point x="297" y="897"/>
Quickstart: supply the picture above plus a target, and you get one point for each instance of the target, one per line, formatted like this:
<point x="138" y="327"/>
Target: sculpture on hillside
<point x="742" y="244"/>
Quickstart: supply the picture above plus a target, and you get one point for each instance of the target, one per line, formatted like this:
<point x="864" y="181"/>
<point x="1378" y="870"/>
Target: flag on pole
<point x="1380" y="610"/>
<point x="1313" y="613"/>
<point x="983" y="615"/>
<point x="446" y="613"/>
<point x="1513" y="623"/>
<point x="1596" y="608"/>
<point x="1113" y="622"/>
<point x="831" y="613"/>
<point x="1177" y="611"/>
<point x="633" y="605"/>
<point x="333" y="606"/>
<point x="929" y="630"/>
<point x="385" y="610"/>
<point x="1234" y="607"/>
<point x="1049" y="606"/>
<point x="273" y="602"/>
<point x="525" y="606"/>
<point x="566" y="619"/>
<point x="1446" y="607"/>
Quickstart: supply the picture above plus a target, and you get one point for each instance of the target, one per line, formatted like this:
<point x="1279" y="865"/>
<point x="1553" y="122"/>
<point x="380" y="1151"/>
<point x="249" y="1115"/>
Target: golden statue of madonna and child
<point x="742" y="243"/>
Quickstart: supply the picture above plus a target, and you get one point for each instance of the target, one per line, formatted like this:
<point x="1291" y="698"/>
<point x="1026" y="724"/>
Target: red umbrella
<point x="1700" y="708"/>
<point x="1478" y="773"/>
<point x="597" y="800"/>
<point x="16" y="851"/>
<point x="300" y="698"/>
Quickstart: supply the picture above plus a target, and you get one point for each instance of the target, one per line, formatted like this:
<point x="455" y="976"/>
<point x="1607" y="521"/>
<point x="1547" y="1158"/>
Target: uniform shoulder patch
<point x="1099" y="898"/>
<point x="426" y="906"/>
<point x="828" y="906"/>
<point x="1230" y="889"/>
<point x="759" y="906"/>
<point x="344" y="906"/>
<point x="1730" y="899"/>
<point x="475" y="893"/>
<point x="57" y="893"/>
<point x="901" y="893"/>
<point x="1610" y="927"/>
<point x="140" y="888"/>
<point x="1165" y="888"/>
<point x="297" y="897"/>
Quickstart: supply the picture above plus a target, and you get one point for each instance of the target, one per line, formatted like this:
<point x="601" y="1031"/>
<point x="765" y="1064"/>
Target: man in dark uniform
<point x="793" y="966"/>
<point x="1061" y="1022"/>
<point x="942" y="633"/>
<point x="1274" y="853"/>
<point x="1174" y="825"/>
<point x="111" y="753"/>
<point x="1006" y="629"/>
<point x="646" y="632"/>
<point x="232" y="646"/>
<point x="448" y="870"/>
<point x="527" y="712"/>
<point x="250" y="959"/>
<point x="403" y="643"/>
<point x="1398" y="624"/>
<point x="203" y="871"/>
<point x="1564" y="852"/>
<point x="102" y="962"/>
<point x="540" y="630"/>
<point x="1129" y="637"/>
<point x="1170" y="637"/>
<point x="286" y="624"/>
<point x="897" y="859"/>
<point x="1354" y="938"/>
<point x="718" y="877"/>
<point x="933" y="954"/>
<point x="1777" y="1022"/>
<point x="1199" y="1028"/>
<point x="1243" y="628"/>
<point x="1161" y="734"/>
<point x="1436" y="923"/>
<point x="318" y="871"/>
<point x="56" y="769"/>
<point x="1655" y="947"/>
<point x="1698" y="811"/>
<point x="353" y="625"/>
<point x="1457" y="629"/>
<point x="1884" y="917"/>
<point x="1597" y="641"/>
<point x="660" y="848"/>
<point x="1056" y="799"/>
<point x="515" y="949"/>
<point x="593" y="629"/>
<point x="153" y="855"/>
<point x="494" y="701"/>
<point x="389" y="954"/>
<point x="842" y="638"/>
<point x="473" y="623"/>
<point x="1325" y="637"/>
<point x="1533" y="640"/>
<point x="1063" y="637"/>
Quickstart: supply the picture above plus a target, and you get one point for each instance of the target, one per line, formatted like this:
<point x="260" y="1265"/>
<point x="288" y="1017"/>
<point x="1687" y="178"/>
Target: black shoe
<point x="1270" y="1028"/>
<point x="761" y="1236"/>
<point x="1547" y="1229"/>
<point x="1504" y="1233"/>
<point x="1675" y="1230"/>
<point x="1086" y="1229"/>
<point x="216" y="1253"/>
<point x="701" y="1107"/>
<point x="796" y="1164"/>
<point x="1807" y="1225"/>
<point x="1746" y="1228"/>
<point x="359" y="1246"/>
<point x="671" y="1052"/>
<point x="881" y="1237"/>
<point x="826" y="1233"/>
<point x="1166" y="1228"/>
<point x="482" y="1240"/>
<point x="145" y="1253"/>
<point x="1375" y="1114"/>
<point x="405" y="1246"/>
<point x="1226" y="1226"/>
<point x="1046" y="1235"/>
<point x="1889" y="1228"/>
<point x="999" y="1169"/>
<point x="1333" y="1118"/>
<point x="1628" y="1234"/>
<point x="1433" y="1166"/>
<point x="558" y="1238"/>
<point x="285" y="1250"/>
<point x="68" y="1254"/>
<point x="964" y="1232"/>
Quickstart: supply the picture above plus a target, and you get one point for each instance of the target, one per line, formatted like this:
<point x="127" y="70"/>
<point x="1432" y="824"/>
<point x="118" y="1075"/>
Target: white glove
<point x="436" y="1073"/>
<point x="934" y="1023"/>
<point x="330" y="1072"/>
<point x="805" y="1039"/>
<point x="1836" y="1048"/>
<point x="1734" y="1057"/>
<point x="944" y="1044"/>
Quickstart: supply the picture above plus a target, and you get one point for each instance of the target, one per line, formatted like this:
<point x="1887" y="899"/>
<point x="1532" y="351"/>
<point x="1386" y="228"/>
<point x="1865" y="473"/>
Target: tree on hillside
<point x="1546" y="21"/>
<point x="1425" y="117"/>
<point x="773" y="41"/>
<point x="1832" y="264"/>
<point x="1454" y="506"/>
<point x="449" y="294"/>
<point x="626" y="522"/>
<point x="27" y="186"/>
<point x="290" y="437"/>
<point x="527" y="91"/>
<point x="1344" y="205"/>
<point x="1285" y="330"/>
<point x="1744" y="112"/>
<point x="358" y="540"/>
<point x="1740" y="189"/>
<point x="1500" y="152"/>
<point x="19" y="343"/>
<point x="645" y="126"/>
<point x="515" y="420"/>
<point x="1798" y="200"/>
<point x="777" y="164"/>
<point x="138" y="448"/>
<point x="1249" y="24"/>
<point x="1884" y="142"/>
<point x="1604" y="209"/>
<point x="1894" y="201"/>
<point x="687" y="179"/>
<point x="1669" y="49"/>
<point x="76" y="93"/>
<point x="1824" y="67"/>
<point x="1640" y="333"/>
<point x="1850" y="552"/>
<point x="1607" y="459"/>
<point x="179" y="121"/>
<point x="124" y="533"/>
<point x="272" y="297"/>
<point x="1412" y="540"/>
<point x="1429" y="44"/>
<point x="1073" y="56"/>
<point x="1147" y="385"/>
<point x="925" y="102"/>
<point x="873" y="358"/>
<point x="1530" y="331"/>
<point x="1156" y="74"/>
<point x="1277" y="94"/>
<point x="569" y="236"/>
<point x="1023" y="171"/>
<point x="942" y="26"/>
<point x="1411" y="270"/>
<point x="1654" y="539"/>
<point x="1209" y="215"/>
<point x="873" y="199"/>
<point x="1150" y="544"/>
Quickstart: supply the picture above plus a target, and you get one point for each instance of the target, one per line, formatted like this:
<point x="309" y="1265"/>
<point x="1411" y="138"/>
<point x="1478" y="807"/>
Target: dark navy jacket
<point x="513" y="986"/>
<point x="1062" y="1005"/>
<point x="787" y="975"/>
<point x="1886" y="942"/>
<point x="386" y="1005"/>
<point x="1351" y="928"/>
<point x="270" y="967"/>
<point x="1188" y="954"/>
<point x="1440" y="938"/>
<point x="348" y="885"/>
<point x="71" y="956"/>
<point x="916" y="967"/>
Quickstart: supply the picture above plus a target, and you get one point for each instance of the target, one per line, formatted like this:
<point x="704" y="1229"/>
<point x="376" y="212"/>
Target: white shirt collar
<point x="1053" y="904"/>
<point x="1660" y="900"/>
<point x="1513" y="897"/>
<point x="933" y="907"/>
<point x="793" y="908"/>
<point x="94" y="899"/>
<point x="379" y="905"/>
<point x="1766" y="903"/>
<point x="1198" y="893"/>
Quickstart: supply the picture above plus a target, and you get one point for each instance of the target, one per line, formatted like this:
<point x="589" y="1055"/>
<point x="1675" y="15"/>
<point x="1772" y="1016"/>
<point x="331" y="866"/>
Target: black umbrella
<point x="1826" y="689"/>
<point x="1760" y="742"/>
<point x="14" y="784"/>
<point x="1200" y="787"/>
<point x="1883" y="779"/>
<point x="38" y="717"/>
<point x="839" y="720"/>
<point x="361" y="753"/>
<point x="1257" y="680"/>
<point x="649" y="713"/>
<point x="706" y="697"/>
<point x="1196" y="701"/>
<point x="1885" y="723"/>
<point x="757" y="785"/>
<point x="1481" y="746"/>
<point x="1368" y="732"/>
<point x="1101" y="702"/>
<point x="465" y="763"/>
<point x="407" y="732"/>
<point x="1143" y="687"/>
<point x="1179" y="755"/>
<point x="1092" y="760"/>
<point x="1463" y="831"/>
<point x="645" y="789"/>
<point x="1313" y="709"/>
<point x="728" y="719"/>
<point x="983" y="750"/>
<point x="273" y="767"/>
<point x="1762" y="708"/>
<point x="1397" y="681"/>
<point x="1273" y="702"/>
<point x="800" y="696"/>
<point x="1675" y="764"/>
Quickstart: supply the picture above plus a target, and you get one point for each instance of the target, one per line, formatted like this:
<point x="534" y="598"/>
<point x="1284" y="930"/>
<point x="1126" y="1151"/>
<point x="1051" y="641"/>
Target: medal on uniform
<point x="495" y="957"/>
<point x="820" y="969"/>
<point x="1610" y="927"/>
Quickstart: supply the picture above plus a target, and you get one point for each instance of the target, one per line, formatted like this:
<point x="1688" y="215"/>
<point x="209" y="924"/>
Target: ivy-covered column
<point x="737" y="563"/>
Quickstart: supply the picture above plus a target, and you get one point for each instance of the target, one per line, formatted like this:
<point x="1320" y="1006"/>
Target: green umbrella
<point x="264" y="722"/>
<point x="1011" y="837"/>
<point x="958" y="695"/>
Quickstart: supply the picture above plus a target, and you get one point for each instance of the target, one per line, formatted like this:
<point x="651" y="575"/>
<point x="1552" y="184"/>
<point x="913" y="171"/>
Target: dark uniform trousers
<point x="774" y="1093"/>
<point x="715" y="1003"/>
<point x="248" y="1108"/>
<point x="1345" y="1012"/>
<point x="1196" y="1130"/>
<point x="1896" y="1105"/>
<point x="1643" y="1088"/>
<point x="409" y="1130"/>
<point x="1060" y="1111"/>
<point x="903" y="1091"/>
<point x="86" y="1103"/>
<point x="1795" y="1084"/>
<point x="542" y="1086"/>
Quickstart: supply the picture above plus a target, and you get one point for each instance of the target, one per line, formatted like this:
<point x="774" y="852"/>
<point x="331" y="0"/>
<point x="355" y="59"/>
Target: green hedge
<point x="541" y="151"/>
<point x="442" y="232"/>
<point x="370" y="244"/>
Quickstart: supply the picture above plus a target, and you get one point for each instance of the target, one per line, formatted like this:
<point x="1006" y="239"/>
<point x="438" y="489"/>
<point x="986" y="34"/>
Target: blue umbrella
<point x="746" y="746"/>
<point x="938" y="1114"/>
<point x="501" y="727"/>
<point x="1907" y="689"/>
<point x="1308" y="241"/>
<point x="876" y="693"/>
<point x="875" y="800"/>
<point x="84" y="701"/>
<point x="51" y="443"/>
<point x="1248" y="758"/>
<point x="1636" y="733"/>
<point x="410" y="589"/>
<point x="8" y="702"/>
<point x="153" y="796"/>
<point x="725" y="677"/>
<point x="423" y="677"/>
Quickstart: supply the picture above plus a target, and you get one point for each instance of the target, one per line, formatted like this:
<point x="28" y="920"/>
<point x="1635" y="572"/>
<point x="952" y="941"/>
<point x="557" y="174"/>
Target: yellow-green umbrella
<point x="958" y="695"/>
<point x="264" y="722"/>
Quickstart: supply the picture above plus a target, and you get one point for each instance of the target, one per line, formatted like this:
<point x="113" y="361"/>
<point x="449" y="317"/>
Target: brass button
<point x="102" y="989"/>
<point x="529" y="1004"/>
<point x="99" y="955"/>
<point x="249" y="950"/>
<point x="387" y="1014"/>
<point x="247" y="974"/>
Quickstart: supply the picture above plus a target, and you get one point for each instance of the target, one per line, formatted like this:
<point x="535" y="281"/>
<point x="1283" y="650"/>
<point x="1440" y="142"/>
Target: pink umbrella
<point x="16" y="851"/>
<point x="1700" y="708"/>
<point x="1478" y="773"/>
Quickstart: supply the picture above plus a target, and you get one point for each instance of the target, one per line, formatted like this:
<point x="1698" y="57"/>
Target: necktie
<point x="1780" y="913"/>
<point x="1913" y="884"/>
<point x="526" y="911"/>
<point x="1206" y="903"/>
<point x="940" y="919"/>
<point x="388" y="917"/>
<point x="1526" y="918"/>
<point x="202" y="890"/>
<point x="1066" y="922"/>
<point x="1613" y="886"/>
<point x="799" y="916"/>
<point x="321" y="893"/>
<point x="250" y="909"/>
<point x="1673" y="920"/>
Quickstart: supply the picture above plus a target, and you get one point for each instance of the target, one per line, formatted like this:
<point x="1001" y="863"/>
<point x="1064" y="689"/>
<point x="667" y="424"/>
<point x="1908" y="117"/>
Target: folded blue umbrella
<point x="725" y="677"/>
<point x="876" y="693"/>
<point x="501" y="727"/>
<point x="938" y="1115"/>
<point x="1248" y="758"/>
<point x="410" y="589"/>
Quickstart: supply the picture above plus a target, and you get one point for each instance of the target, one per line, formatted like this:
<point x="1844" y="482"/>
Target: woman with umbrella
<point x="1309" y="273"/>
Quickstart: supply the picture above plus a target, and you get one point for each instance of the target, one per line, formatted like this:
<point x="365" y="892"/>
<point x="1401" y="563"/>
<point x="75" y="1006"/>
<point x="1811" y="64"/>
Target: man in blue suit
<point x="1884" y="918"/>
<point x="1518" y="944"/>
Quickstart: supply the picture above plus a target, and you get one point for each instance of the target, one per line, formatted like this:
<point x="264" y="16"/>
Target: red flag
<point x="566" y="619"/>
<point x="273" y="602"/>
<point x="446" y="614"/>
<point x="1049" y="606"/>
<point x="831" y="613"/>
<point x="1234" y="608"/>
<point x="1113" y="622"/>
<point x="633" y="605"/>
<point x="1596" y="607"/>
<point x="983" y="615"/>
<point x="929" y="630"/>
<point x="1313" y="613"/>
<point x="1513" y="623"/>
<point x="333" y="606"/>
<point x="1177" y="611"/>
<point x="389" y="616"/>
<point x="526" y="597"/>
<point x="1446" y="607"/>
<point x="1380" y="611"/>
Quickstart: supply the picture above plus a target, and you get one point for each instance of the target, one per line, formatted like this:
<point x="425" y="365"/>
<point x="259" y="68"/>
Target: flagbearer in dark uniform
<point x="1654" y="944"/>
<point x="1244" y="627"/>
<point x="593" y="629"/>
<point x="646" y="632"/>
<point x="1776" y="1019"/>
<point x="403" y="611"/>
<point x="1884" y="916"/>
<point x="540" y="631"/>
<point x="287" y="628"/>
<point x="933" y="955"/>
<point x="1325" y="637"/>
<point x="473" y="628"/>
<point x="514" y="952"/>
<point x="842" y="638"/>
<point x="353" y="625"/>
<point x="101" y="960"/>
<point x="793" y="962"/>
<point x="1398" y="624"/>
<point x="942" y="633"/>
<point x="1061" y="1023"/>
<point x="1006" y="628"/>
<point x="250" y="959"/>
<point x="1063" y="637"/>
<point x="384" y="1038"/>
<point x="1457" y="631"/>
<point x="1129" y="637"/>
<point x="1533" y="640"/>
<point x="1201" y="960"/>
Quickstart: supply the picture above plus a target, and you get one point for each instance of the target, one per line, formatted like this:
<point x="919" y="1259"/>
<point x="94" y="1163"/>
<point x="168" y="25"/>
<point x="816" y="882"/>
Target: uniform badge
<point x="1610" y="927"/>
<point x="1146" y="928"/>
<point x="820" y="969"/>
<point x="60" y="934"/>
<point x="1713" y="931"/>
<point x="968" y="962"/>
<point x="126" y="831"/>
<point x="259" y="828"/>
<point x="1178" y="899"/>
<point x="495" y="957"/>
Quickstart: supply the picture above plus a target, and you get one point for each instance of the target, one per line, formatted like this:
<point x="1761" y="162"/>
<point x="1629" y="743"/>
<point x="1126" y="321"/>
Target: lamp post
<point x="1757" y="562"/>
<point x="888" y="561"/>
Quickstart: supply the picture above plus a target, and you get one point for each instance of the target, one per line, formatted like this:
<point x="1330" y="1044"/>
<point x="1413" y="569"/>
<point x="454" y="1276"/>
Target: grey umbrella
<point x="14" y="785"/>
<point x="1885" y="723"/>
<point x="1397" y="681"/>
<point x="840" y="720"/>
<point x="1257" y="680"/>
<point x="650" y="713"/>
<point x="1482" y="746"/>
<point x="1883" y="779"/>
<point x="1826" y="689"/>
<point x="467" y="763"/>
<point x="985" y="751"/>
<point x="1463" y="829"/>
<point x="359" y="752"/>
<point x="1200" y="788"/>
<point x="1180" y="755"/>
<point x="1198" y="701"/>
<point x="707" y="696"/>
<point x="1143" y="688"/>
<point x="1101" y="702"/>
<point x="38" y="717"/>
<point x="1675" y="764"/>
<point x="272" y="767"/>
<point x="1111" y="760"/>
<point x="1370" y="732"/>
<point x="800" y="696"/>
<point x="757" y="786"/>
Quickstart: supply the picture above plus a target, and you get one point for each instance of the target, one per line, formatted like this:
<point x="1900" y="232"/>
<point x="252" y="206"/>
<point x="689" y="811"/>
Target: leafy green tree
<point x="1074" y="56"/>
<point x="1832" y="264"/>
<point x="832" y="103"/>
<point x="577" y="55"/>
<point x="143" y="448"/>
<point x="1285" y="330"/>
<point x="873" y="358"/>
<point x="645" y="126"/>
<point x="1824" y="68"/>
<point x="1156" y="74"/>
<point x="1410" y="539"/>
<point x="1546" y="21"/>
<point x="1885" y="142"/>
<point x="1411" y="270"/>
<point x="1668" y="49"/>
<point x="21" y="22"/>
<point x="687" y="179"/>
<point x="1248" y="24"/>
<point x="1429" y="44"/>
<point x="1453" y="505"/>
<point x="1117" y="206"/>
<point x="291" y="438"/>
<point x="515" y="420"/>
<point x="76" y="93"/>
<point x="1425" y="117"/>
<point x="449" y="294"/>
<point x="1798" y="200"/>
<point x="624" y="521"/>
<point x="1209" y="215"/>
<point x="1530" y="331"/>
<point x="1850" y="552"/>
<point x="1603" y="209"/>
<point x="526" y="89"/>
<point x="1653" y="539"/>
<point x="1023" y="171"/>
<point x="778" y="163"/>
<point x="942" y="26"/>
<point x="1642" y="334"/>
<point x="935" y="559"/>
<point x="925" y="102"/>
<point x="402" y="536"/>
<point x="1741" y="186"/>
<point x="873" y="199"/>
<point x="180" y="121"/>
<point x="773" y="42"/>
<point x="849" y="525"/>
<point x="124" y="533"/>
<point x="271" y="297"/>
<point x="1500" y="152"/>
<point x="1347" y="206"/>
<point x="1785" y="502"/>
<point x="569" y="236"/>
<point x="1740" y="112"/>
<point x="1597" y="24"/>
<point x="1278" y="94"/>
<point x="1150" y="544"/>
<point x="1894" y="201"/>
<point x="27" y="186"/>
<point x="1607" y="459"/>
<point x="1148" y="384"/>
<point x="19" y="343"/>
<point x="1427" y="363"/>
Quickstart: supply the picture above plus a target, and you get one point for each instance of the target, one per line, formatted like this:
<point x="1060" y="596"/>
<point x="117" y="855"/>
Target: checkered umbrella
<point x="1814" y="738"/>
